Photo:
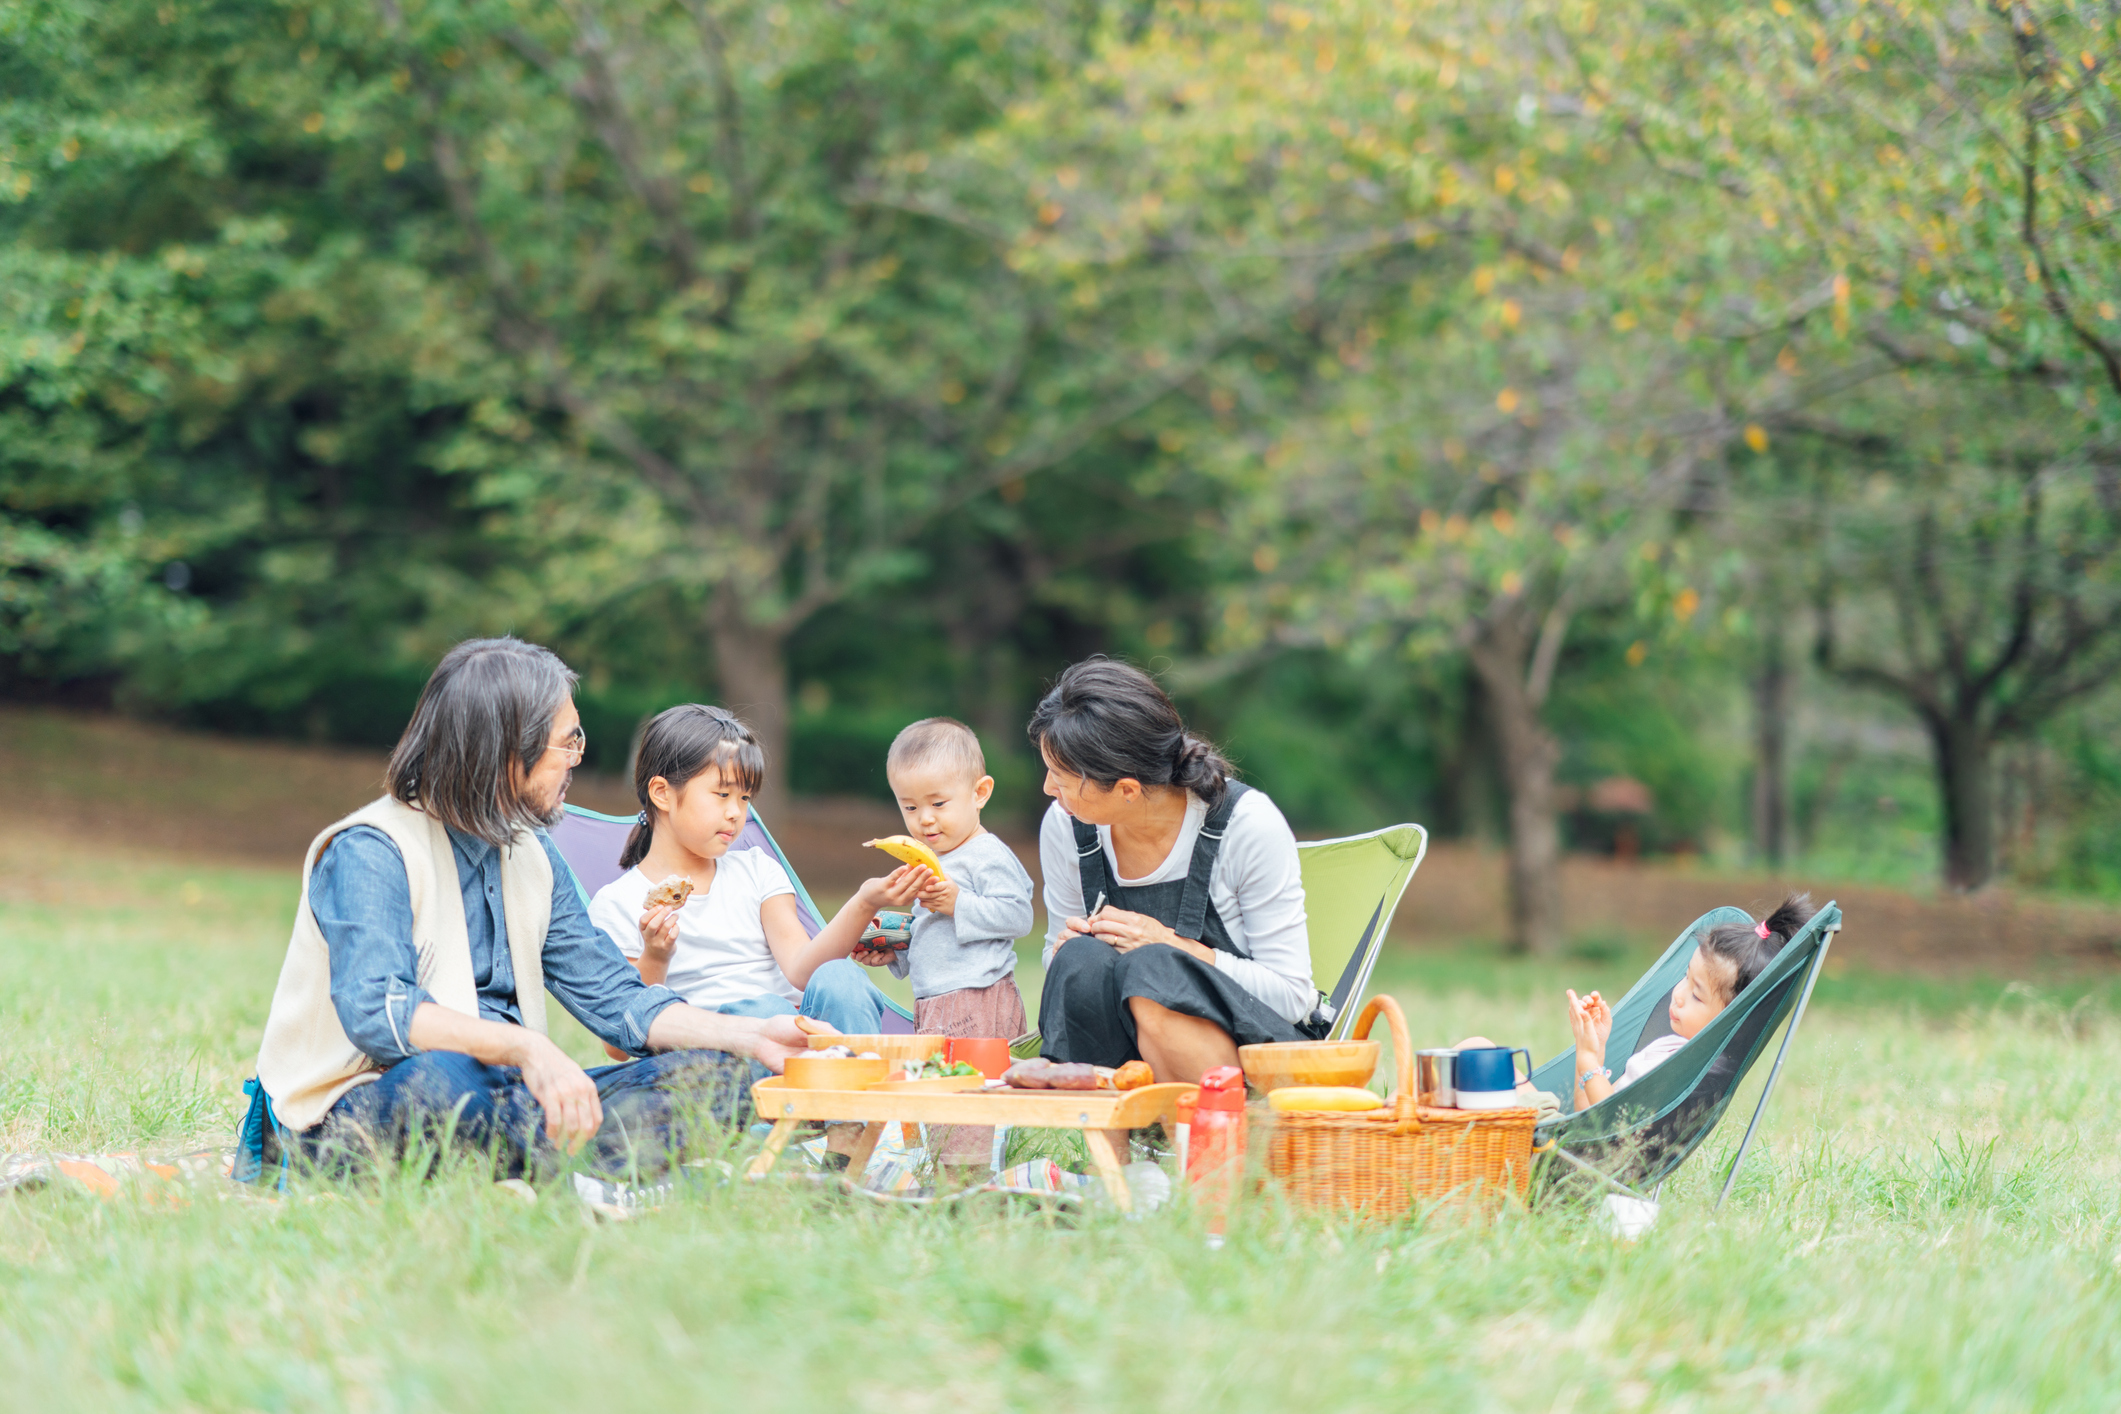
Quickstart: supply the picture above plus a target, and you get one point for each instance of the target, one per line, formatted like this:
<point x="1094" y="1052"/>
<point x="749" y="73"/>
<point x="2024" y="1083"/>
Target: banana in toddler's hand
<point x="908" y="850"/>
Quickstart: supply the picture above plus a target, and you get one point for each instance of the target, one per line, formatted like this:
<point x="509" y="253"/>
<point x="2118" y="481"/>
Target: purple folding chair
<point x="591" y="842"/>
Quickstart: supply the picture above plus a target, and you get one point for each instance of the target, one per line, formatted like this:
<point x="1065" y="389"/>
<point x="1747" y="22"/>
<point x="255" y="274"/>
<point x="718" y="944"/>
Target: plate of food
<point x="932" y="1076"/>
<point x="896" y="1049"/>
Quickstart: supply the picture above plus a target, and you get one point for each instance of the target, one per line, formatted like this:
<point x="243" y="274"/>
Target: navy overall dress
<point x="1083" y="1014"/>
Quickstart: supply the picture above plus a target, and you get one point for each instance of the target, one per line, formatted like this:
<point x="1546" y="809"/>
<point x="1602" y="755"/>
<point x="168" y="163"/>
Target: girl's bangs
<point x="740" y="763"/>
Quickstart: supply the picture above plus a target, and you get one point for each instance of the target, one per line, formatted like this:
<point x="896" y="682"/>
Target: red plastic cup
<point x="988" y="1054"/>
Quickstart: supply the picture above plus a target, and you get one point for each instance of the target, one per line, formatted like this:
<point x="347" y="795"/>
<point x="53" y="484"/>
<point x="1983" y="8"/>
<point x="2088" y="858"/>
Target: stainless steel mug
<point x="1435" y="1078"/>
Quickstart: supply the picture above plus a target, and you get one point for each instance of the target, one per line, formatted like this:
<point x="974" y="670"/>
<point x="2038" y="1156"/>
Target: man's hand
<point x="769" y="1040"/>
<point x="779" y="1038"/>
<point x="563" y="1090"/>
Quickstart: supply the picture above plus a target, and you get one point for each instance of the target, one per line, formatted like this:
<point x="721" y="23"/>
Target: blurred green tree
<point x="1928" y="195"/>
<point x="764" y="273"/>
<point x="222" y="381"/>
<point x="1461" y="431"/>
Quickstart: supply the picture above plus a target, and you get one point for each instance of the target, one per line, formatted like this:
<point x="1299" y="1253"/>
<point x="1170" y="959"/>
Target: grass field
<point x="1929" y="1225"/>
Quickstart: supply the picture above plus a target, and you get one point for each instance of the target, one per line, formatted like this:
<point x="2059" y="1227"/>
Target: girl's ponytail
<point x="1786" y="922"/>
<point x="679" y="744"/>
<point x="1749" y="948"/>
<point x="638" y="839"/>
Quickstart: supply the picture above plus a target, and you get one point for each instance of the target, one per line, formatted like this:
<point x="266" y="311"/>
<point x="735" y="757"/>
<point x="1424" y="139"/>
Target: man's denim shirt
<point x="363" y="905"/>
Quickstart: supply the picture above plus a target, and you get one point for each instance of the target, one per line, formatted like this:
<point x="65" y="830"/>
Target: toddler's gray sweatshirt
<point x="975" y="947"/>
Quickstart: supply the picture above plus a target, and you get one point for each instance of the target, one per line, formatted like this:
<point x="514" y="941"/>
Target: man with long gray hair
<point x="432" y="922"/>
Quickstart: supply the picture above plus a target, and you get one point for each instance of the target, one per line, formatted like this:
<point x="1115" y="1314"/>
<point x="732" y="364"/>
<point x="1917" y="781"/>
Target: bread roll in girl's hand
<point x="671" y="893"/>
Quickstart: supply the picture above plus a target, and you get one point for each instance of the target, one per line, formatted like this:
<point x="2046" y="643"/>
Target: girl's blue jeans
<point x="838" y="995"/>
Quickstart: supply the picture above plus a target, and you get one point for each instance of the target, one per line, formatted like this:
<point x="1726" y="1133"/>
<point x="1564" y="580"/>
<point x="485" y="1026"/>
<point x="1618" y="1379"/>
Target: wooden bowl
<point x="834" y="1072"/>
<point x="1282" y="1063"/>
<point x="891" y="1048"/>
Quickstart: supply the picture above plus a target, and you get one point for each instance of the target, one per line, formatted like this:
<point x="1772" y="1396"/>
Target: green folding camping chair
<point x="1636" y="1137"/>
<point x="1352" y="887"/>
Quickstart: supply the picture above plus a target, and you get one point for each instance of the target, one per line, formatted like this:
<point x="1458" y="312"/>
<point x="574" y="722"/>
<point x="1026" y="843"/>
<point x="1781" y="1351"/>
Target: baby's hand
<point x="1592" y="1022"/>
<point x="939" y="896"/>
<point x="872" y="956"/>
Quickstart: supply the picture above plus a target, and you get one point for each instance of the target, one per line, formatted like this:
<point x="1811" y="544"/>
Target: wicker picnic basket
<point x="1382" y="1162"/>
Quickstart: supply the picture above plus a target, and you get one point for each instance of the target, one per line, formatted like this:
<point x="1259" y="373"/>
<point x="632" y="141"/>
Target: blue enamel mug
<point x="1487" y="1077"/>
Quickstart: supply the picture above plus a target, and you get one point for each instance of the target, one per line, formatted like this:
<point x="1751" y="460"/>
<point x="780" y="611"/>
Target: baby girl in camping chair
<point x="1724" y="964"/>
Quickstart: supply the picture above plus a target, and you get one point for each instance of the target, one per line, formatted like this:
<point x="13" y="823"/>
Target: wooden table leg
<point x="1106" y="1156"/>
<point x="762" y="1163"/>
<point x="858" y="1157"/>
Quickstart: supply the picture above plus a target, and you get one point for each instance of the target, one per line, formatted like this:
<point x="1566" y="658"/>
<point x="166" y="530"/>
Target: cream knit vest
<point x="306" y="1063"/>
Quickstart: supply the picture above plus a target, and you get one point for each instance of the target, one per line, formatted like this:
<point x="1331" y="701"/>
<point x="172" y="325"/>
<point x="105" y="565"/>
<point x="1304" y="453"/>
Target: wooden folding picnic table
<point x="1094" y="1112"/>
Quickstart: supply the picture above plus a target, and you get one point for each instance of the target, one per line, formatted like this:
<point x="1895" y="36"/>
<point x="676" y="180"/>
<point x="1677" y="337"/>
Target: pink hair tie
<point x="1761" y="929"/>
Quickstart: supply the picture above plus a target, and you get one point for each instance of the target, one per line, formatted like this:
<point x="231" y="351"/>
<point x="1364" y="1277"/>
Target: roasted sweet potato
<point x="1029" y="1074"/>
<point x="1071" y="1077"/>
<point x="1133" y="1075"/>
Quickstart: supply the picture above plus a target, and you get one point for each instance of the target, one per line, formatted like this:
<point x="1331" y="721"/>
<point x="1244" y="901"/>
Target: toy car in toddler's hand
<point x="893" y="931"/>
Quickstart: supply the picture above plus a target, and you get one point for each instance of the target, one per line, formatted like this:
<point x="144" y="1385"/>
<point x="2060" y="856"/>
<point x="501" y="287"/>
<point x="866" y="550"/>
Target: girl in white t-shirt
<point x="737" y="944"/>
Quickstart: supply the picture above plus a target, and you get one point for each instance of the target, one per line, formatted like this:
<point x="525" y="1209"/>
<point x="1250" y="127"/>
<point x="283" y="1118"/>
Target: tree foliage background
<point x="1600" y="424"/>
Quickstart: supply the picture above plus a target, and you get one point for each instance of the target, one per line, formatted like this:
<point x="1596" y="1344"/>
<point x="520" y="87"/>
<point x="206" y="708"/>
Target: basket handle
<point x="1402" y="1051"/>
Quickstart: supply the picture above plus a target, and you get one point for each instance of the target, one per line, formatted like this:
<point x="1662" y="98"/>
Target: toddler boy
<point x="962" y="957"/>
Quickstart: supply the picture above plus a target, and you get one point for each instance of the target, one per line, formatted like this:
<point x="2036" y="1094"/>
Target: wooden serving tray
<point x="776" y="1100"/>
<point x="1094" y="1112"/>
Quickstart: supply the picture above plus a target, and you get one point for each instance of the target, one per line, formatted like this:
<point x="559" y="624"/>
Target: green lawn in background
<point x="1929" y="1224"/>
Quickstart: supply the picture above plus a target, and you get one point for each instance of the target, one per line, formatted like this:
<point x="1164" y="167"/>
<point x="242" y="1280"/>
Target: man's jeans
<point x="652" y="1108"/>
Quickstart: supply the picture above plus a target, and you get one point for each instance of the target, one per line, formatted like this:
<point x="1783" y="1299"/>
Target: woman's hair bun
<point x="1199" y="767"/>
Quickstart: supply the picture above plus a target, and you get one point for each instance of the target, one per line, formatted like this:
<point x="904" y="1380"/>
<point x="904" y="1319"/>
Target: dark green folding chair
<point x="1636" y="1137"/>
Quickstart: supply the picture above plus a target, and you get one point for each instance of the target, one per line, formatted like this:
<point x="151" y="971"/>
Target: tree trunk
<point x="1966" y="777"/>
<point x="751" y="672"/>
<point x="1466" y="765"/>
<point x="1773" y="818"/>
<point x="1528" y="754"/>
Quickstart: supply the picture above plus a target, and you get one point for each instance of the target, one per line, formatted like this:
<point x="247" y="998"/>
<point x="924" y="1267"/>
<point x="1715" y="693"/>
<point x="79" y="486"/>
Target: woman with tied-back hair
<point x="1175" y="907"/>
<point x="433" y="921"/>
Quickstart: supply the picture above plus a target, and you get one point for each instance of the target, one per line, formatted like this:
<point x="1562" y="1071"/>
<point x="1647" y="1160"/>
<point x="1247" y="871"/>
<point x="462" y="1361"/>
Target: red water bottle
<point x="1215" y="1143"/>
